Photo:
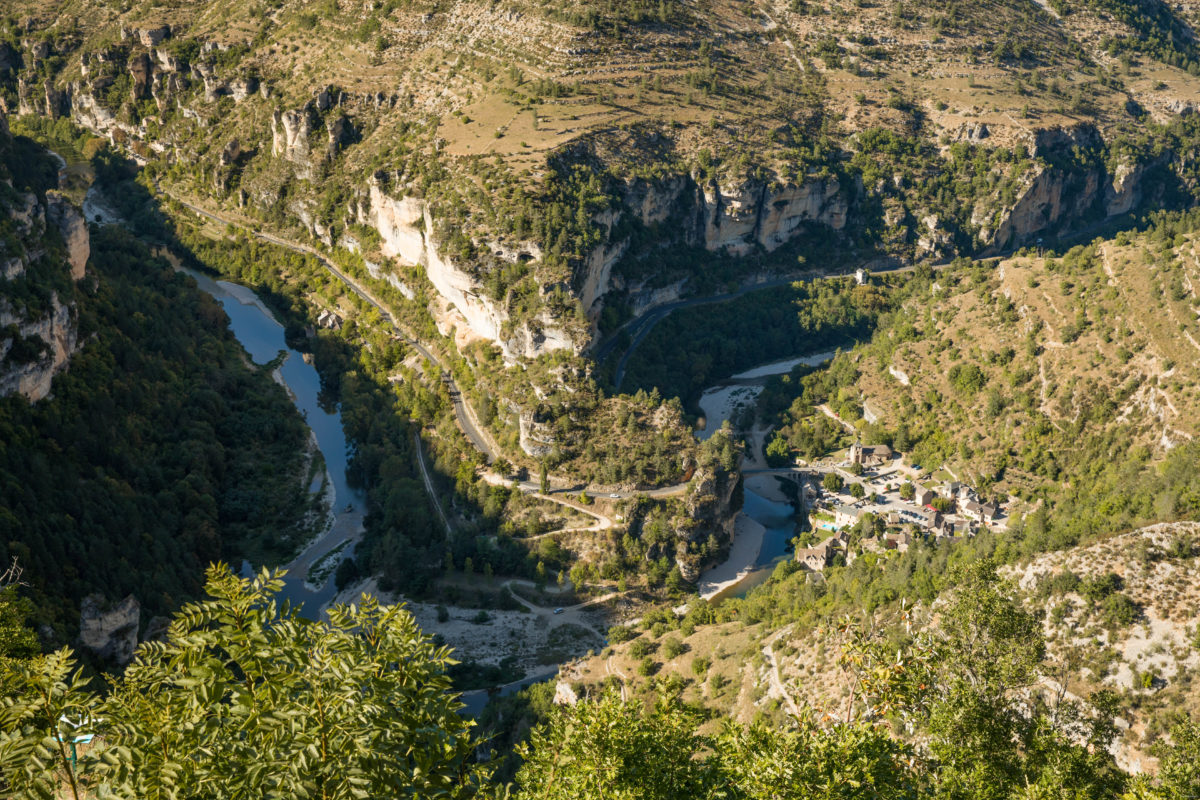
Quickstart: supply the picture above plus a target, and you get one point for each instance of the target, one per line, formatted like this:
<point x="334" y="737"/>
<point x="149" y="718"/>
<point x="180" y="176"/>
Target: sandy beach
<point x="723" y="403"/>
<point x="747" y="542"/>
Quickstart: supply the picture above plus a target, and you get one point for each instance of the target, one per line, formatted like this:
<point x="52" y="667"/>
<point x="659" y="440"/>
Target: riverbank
<point x="262" y="336"/>
<point x="748" y="537"/>
<point x="725" y="403"/>
<point x="765" y="525"/>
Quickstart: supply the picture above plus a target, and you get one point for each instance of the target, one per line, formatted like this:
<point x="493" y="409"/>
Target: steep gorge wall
<point x="733" y="217"/>
<point x="405" y="225"/>
<point x="48" y="232"/>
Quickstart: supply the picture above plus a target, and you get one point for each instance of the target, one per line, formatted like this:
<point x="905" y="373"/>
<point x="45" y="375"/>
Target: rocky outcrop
<point x="55" y="333"/>
<point x="110" y="631"/>
<point x="736" y="218"/>
<point x="564" y="695"/>
<point x="141" y="70"/>
<point x="1061" y="190"/>
<point x="290" y="132"/>
<point x="654" y="202"/>
<point x="405" y="226"/>
<point x="537" y="436"/>
<point x="74" y="231"/>
<point x="707" y="512"/>
<point x="1051" y="198"/>
<point x="37" y="338"/>
<point x="242" y="88"/>
<point x="1126" y="188"/>
<point x="150" y="37"/>
<point x="42" y="98"/>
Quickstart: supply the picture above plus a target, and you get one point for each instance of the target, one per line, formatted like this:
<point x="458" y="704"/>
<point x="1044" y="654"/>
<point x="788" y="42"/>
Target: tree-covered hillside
<point x="160" y="451"/>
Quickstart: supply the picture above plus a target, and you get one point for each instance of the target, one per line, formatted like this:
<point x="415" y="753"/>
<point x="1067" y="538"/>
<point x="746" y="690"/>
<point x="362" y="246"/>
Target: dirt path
<point x="609" y="669"/>
<point x="776" y="683"/>
<point x="827" y="411"/>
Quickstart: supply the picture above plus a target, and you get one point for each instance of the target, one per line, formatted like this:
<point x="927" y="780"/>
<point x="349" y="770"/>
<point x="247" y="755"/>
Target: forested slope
<point x="160" y="450"/>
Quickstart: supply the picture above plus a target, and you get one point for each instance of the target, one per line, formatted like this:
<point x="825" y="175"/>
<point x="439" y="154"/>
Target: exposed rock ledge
<point x="405" y="225"/>
<point x="111" y="632"/>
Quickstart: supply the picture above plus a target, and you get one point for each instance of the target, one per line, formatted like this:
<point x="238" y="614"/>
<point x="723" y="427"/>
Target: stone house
<point x="818" y="557"/>
<point x="846" y="516"/>
<point x="871" y="456"/>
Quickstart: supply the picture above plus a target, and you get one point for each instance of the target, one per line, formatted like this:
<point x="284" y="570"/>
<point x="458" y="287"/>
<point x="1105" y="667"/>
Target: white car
<point x="615" y="496"/>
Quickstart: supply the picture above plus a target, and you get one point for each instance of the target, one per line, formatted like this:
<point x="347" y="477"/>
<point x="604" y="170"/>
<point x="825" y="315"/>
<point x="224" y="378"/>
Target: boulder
<point x="110" y="631"/>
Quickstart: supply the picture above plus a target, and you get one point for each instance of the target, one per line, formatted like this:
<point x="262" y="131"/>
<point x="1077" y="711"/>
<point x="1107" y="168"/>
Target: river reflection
<point x="263" y="338"/>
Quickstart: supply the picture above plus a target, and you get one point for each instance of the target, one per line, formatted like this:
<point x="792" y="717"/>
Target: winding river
<point x="767" y="521"/>
<point x="262" y="337"/>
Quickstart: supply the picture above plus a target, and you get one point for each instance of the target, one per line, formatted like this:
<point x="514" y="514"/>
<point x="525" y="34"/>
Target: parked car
<point x="558" y="610"/>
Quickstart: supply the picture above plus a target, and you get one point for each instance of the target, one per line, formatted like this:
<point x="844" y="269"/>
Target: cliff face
<point x="53" y="332"/>
<point x="737" y="218"/>
<point x="44" y="235"/>
<point x="405" y="226"/>
<point x="724" y="215"/>
<point x="708" y="512"/>
<point x="110" y="632"/>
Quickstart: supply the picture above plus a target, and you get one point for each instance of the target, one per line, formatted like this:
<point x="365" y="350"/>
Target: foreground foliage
<point x="957" y="710"/>
<point x="246" y="700"/>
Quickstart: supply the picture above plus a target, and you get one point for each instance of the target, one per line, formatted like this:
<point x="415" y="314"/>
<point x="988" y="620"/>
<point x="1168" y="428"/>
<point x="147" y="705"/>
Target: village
<point x="888" y="504"/>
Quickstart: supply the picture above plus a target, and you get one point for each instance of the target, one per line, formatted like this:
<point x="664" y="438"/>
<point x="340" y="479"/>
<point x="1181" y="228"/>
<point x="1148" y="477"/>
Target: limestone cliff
<point x="54" y="333"/>
<point x="292" y="160"/>
<point x="708" y="512"/>
<point x="405" y="225"/>
<point x="737" y="219"/>
<point x="44" y="236"/>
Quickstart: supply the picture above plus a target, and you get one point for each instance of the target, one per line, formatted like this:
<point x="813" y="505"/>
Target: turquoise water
<point x="262" y="337"/>
<point x="779" y="520"/>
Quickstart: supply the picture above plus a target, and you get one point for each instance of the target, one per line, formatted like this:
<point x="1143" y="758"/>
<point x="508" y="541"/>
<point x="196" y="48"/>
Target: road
<point x="428" y="483"/>
<point x="466" y="418"/>
<point x="475" y="433"/>
<point x="645" y="323"/>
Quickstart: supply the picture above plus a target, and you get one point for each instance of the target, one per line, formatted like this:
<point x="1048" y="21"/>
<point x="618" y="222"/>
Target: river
<point x="766" y="523"/>
<point x="263" y="338"/>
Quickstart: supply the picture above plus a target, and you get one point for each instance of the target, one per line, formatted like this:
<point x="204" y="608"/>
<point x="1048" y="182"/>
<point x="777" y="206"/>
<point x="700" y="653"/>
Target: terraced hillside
<point x="540" y="163"/>
<point x="1036" y="370"/>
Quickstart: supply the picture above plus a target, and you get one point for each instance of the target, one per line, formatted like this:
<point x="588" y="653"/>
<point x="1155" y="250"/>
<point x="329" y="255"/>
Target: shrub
<point x="641" y="648"/>
<point x="1119" y="610"/>
<point x="647" y="667"/>
<point x="672" y="647"/>
<point x="618" y="634"/>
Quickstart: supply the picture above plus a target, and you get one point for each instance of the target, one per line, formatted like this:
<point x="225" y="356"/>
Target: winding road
<point x="478" y="437"/>
<point x="475" y="433"/>
<point x="642" y="325"/>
